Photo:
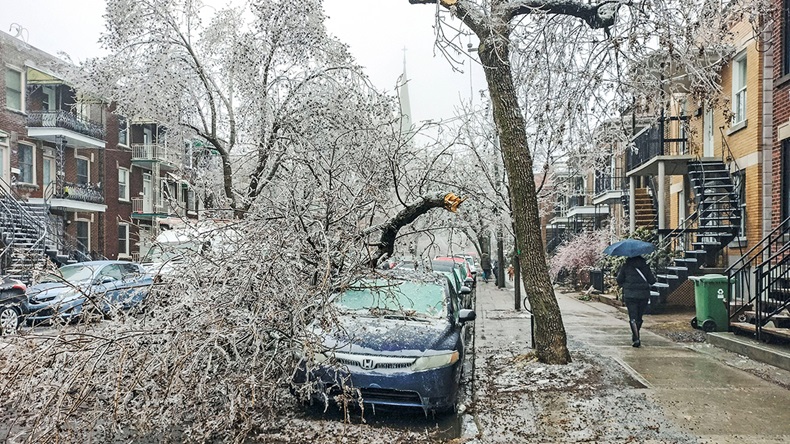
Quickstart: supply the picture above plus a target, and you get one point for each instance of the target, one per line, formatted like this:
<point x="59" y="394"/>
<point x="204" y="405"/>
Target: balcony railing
<point x="607" y="183"/>
<point x="64" y="119"/>
<point x="577" y="200"/>
<point x="82" y="192"/>
<point x="143" y="205"/>
<point x="646" y="145"/>
<point x="155" y="152"/>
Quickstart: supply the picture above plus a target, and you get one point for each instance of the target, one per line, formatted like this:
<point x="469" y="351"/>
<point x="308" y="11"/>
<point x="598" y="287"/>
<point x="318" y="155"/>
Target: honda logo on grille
<point x="368" y="364"/>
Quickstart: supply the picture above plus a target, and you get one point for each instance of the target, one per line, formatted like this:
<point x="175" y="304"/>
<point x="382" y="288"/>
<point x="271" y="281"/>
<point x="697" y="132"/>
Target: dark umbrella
<point x="629" y="248"/>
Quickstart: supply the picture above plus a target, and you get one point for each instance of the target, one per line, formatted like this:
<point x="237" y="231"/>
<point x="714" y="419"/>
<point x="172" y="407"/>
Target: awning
<point x="37" y="77"/>
<point x="177" y="178"/>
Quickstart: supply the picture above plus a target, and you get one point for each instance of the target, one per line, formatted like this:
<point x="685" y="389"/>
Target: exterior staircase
<point x="29" y="241"/>
<point x="646" y="215"/>
<point x="705" y="233"/>
<point x="758" y="298"/>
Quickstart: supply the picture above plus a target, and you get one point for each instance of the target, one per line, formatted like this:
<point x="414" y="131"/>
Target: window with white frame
<point x="4" y="164"/>
<point x="48" y="168"/>
<point x="123" y="239"/>
<point x="14" y="89"/>
<point x="83" y="171"/>
<point x="123" y="184"/>
<point x="123" y="131"/>
<point x="739" y="89"/>
<point x="48" y="103"/>
<point x="26" y="162"/>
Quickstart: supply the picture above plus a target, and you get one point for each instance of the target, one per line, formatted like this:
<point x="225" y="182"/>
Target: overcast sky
<point x="377" y="32"/>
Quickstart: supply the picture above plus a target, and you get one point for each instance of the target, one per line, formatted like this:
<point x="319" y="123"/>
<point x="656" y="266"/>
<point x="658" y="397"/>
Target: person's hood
<point x="369" y="334"/>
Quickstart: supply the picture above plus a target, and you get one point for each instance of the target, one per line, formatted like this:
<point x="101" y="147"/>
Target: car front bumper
<point x="434" y="389"/>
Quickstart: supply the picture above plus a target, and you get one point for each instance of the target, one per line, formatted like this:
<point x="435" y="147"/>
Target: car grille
<point x="377" y="395"/>
<point x="370" y="362"/>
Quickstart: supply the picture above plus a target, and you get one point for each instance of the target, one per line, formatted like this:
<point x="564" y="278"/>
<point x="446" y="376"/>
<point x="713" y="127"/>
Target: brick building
<point x="78" y="181"/>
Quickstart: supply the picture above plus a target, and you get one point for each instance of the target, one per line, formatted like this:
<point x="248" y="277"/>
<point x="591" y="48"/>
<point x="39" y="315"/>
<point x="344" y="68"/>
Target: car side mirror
<point x="465" y="290"/>
<point x="466" y="315"/>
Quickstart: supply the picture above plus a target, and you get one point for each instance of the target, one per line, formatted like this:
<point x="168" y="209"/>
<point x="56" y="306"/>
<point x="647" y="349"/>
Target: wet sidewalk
<point x="661" y="392"/>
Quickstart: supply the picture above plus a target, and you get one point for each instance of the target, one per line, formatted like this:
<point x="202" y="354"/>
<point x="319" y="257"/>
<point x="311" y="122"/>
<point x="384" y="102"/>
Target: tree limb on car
<point x="389" y="230"/>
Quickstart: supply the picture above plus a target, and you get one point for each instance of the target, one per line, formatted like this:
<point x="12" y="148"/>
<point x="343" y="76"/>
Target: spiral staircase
<point x="704" y="234"/>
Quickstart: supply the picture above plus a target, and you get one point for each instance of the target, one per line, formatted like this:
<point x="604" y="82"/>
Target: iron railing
<point x="772" y="289"/>
<point x="83" y="192"/>
<point x="746" y="276"/>
<point x="646" y="145"/>
<point x="607" y="183"/>
<point x="67" y="120"/>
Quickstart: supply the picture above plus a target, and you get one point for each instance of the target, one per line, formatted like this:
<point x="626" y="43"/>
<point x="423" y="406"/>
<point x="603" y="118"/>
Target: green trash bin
<point x="710" y="298"/>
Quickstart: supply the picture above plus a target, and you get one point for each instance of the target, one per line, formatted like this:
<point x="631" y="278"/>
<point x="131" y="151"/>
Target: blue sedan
<point x="397" y="340"/>
<point x="86" y="287"/>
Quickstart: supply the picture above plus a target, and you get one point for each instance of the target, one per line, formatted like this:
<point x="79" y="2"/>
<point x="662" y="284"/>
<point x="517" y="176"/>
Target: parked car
<point x="76" y="290"/>
<point x="398" y="341"/>
<point x="471" y="261"/>
<point x="470" y="278"/>
<point x="457" y="274"/>
<point x="12" y="294"/>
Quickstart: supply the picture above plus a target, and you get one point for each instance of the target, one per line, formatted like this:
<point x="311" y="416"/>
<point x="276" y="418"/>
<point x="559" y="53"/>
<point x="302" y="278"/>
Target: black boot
<point x="635" y="334"/>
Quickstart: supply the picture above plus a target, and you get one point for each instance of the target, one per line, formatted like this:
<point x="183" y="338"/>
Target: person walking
<point x="485" y="262"/>
<point x="635" y="278"/>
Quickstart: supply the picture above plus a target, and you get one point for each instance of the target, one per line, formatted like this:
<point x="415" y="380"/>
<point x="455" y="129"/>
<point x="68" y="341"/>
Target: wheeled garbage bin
<point x="710" y="298"/>
<point x="596" y="279"/>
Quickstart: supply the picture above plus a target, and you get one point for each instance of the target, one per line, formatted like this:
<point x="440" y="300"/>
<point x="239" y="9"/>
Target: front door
<point x="708" y="133"/>
<point x="148" y="207"/>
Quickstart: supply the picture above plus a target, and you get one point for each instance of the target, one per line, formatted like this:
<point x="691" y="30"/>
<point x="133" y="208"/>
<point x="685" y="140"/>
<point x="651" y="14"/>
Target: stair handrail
<point x="12" y="198"/>
<point x="784" y="224"/>
<point x="748" y="261"/>
<point x="760" y="273"/>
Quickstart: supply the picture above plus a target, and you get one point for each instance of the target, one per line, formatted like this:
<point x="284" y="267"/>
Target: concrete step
<point x="768" y="353"/>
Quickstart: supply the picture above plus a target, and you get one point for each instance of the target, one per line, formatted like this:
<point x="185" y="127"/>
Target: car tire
<point x="9" y="319"/>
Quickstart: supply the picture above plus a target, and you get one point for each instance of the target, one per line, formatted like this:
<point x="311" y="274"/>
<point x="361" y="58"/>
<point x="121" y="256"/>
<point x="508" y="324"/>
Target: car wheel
<point x="9" y="319"/>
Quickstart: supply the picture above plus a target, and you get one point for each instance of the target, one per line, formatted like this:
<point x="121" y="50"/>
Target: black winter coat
<point x="634" y="286"/>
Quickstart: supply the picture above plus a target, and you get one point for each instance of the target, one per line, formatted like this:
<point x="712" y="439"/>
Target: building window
<point x="14" y="98"/>
<point x="83" y="176"/>
<point x="123" y="131"/>
<point x="123" y="240"/>
<point x="739" y="182"/>
<point x="48" y="169"/>
<point x="739" y="89"/>
<point x="785" y="37"/>
<point x="123" y="184"/>
<point x="48" y="104"/>
<point x="83" y="236"/>
<point x="26" y="164"/>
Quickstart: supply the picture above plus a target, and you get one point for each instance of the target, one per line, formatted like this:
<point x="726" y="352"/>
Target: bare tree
<point x="617" y="43"/>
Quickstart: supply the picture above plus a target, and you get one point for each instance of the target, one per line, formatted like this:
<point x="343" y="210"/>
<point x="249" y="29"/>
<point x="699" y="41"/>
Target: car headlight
<point x="435" y="361"/>
<point x="314" y="358"/>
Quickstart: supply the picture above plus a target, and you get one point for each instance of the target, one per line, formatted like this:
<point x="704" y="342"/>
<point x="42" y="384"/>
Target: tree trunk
<point x="550" y="339"/>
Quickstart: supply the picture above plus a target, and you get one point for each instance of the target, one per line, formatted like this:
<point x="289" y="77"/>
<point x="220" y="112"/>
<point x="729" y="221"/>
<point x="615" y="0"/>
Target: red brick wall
<point x="781" y="114"/>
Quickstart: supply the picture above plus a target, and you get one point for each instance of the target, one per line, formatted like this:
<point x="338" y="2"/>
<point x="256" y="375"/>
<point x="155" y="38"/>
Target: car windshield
<point x="71" y="273"/>
<point x="382" y="297"/>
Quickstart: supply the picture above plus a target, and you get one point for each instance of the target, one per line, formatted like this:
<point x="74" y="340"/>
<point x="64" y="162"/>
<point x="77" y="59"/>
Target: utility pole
<point x="517" y="279"/>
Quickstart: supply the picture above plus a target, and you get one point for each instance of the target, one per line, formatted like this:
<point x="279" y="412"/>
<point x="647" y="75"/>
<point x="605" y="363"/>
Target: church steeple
<point x="403" y="95"/>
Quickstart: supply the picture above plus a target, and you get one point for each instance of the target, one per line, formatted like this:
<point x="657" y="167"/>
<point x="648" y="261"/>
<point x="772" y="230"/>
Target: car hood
<point x="362" y="334"/>
<point x="51" y="291"/>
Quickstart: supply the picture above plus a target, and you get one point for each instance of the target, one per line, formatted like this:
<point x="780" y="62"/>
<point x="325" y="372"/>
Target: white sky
<point x="377" y="32"/>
